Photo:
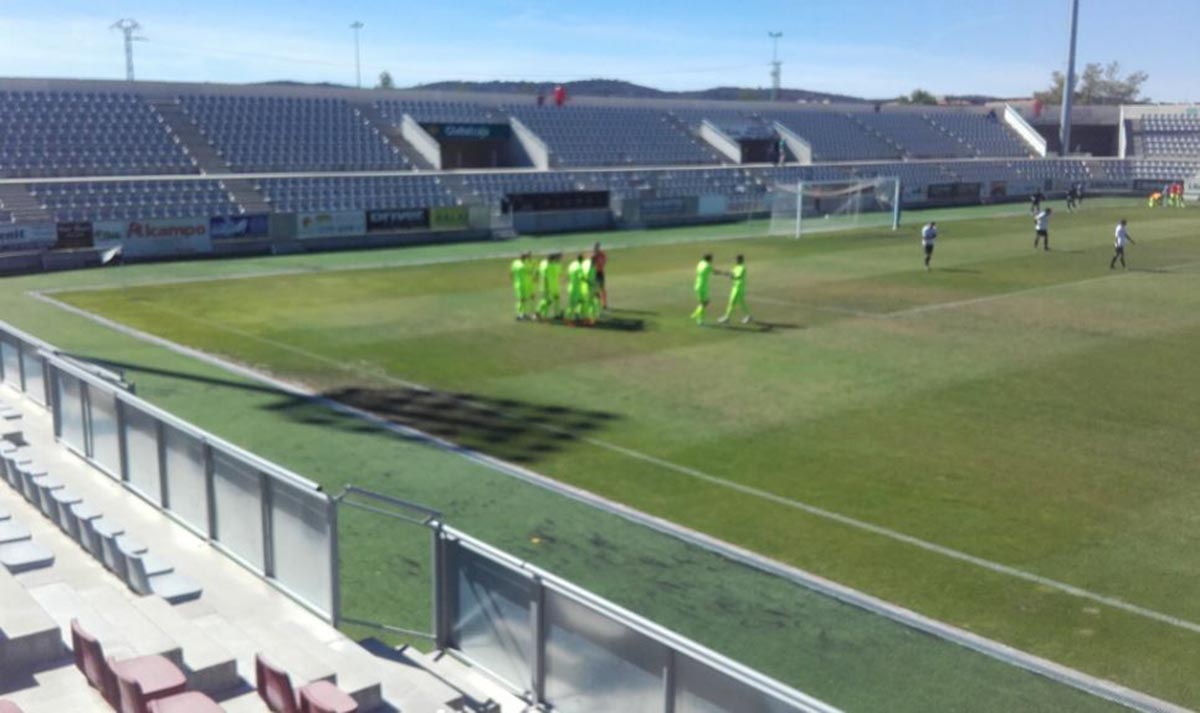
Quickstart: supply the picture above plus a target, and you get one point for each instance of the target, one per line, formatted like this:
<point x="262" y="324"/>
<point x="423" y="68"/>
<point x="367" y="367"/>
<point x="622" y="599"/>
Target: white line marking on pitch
<point x="702" y="476"/>
<point x="953" y="304"/>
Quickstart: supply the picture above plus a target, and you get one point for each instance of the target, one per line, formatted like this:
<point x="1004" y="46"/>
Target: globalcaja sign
<point x="395" y="220"/>
<point x="239" y="226"/>
<point x="450" y="218"/>
<point x="332" y="224"/>
<point x="469" y="132"/>
<point x="37" y="235"/>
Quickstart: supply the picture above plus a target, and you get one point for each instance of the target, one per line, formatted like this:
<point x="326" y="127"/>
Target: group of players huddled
<point x="1171" y="196"/>
<point x="538" y="287"/>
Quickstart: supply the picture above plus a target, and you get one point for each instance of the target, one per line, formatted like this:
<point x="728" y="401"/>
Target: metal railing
<point x="269" y="519"/>
<point x="548" y="640"/>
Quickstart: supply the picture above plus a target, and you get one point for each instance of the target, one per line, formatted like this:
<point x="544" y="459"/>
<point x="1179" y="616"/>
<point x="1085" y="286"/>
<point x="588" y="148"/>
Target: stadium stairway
<point x="15" y="199"/>
<point x="862" y="126"/>
<point x="371" y="113"/>
<point x="212" y="639"/>
<point x="682" y="127"/>
<point x="207" y="159"/>
<point x="189" y="135"/>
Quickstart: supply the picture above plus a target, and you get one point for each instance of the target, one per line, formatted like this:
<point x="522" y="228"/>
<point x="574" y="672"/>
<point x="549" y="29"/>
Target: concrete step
<point x="29" y="636"/>
<point x="354" y="667"/>
<point x="189" y="136"/>
<point x="211" y="666"/>
<point x="368" y="111"/>
<point x="63" y="688"/>
<point x="122" y="632"/>
<point x="247" y="702"/>
<point x="15" y="198"/>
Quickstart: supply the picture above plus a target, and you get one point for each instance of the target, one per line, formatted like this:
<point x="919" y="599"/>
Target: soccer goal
<point x="817" y="206"/>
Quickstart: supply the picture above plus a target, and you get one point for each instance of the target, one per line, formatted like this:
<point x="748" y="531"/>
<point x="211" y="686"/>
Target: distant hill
<point x="620" y="88"/>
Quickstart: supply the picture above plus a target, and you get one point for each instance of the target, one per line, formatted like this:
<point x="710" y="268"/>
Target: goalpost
<point x="818" y="206"/>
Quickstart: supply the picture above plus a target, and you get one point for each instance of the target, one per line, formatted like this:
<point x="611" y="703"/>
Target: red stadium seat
<point x="148" y="679"/>
<point x="324" y="697"/>
<point x="157" y="675"/>
<point x="190" y="702"/>
<point x="274" y="686"/>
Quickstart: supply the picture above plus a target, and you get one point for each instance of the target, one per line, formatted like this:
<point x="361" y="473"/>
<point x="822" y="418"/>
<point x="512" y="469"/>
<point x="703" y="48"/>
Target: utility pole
<point x="356" y="26"/>
<point x="1064" y="130"/>
<point x="776" y="65"/>
<point x="128" y="27"/>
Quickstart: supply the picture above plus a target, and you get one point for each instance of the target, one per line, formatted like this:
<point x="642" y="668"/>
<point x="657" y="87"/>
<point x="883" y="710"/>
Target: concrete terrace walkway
<point x="214" y="637"/>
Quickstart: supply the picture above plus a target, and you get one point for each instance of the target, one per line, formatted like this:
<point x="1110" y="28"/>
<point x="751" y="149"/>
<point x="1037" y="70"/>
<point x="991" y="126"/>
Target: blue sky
<point x="869" y="48"/>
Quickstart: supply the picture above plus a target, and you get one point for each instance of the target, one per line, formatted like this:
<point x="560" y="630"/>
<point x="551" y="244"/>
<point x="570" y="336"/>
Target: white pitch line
<point x="953" y="304"/>
<point x="695" y="474"/>
<point x="820" y="308"/>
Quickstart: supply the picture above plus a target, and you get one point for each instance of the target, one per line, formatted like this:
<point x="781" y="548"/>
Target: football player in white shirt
<point x="1041" y="223"/>
<point x="928" y="236"/>
<point x="1122" y="237"/>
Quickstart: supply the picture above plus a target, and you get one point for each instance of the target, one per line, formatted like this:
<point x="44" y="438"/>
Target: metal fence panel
<point x="35" y="380"/>
<point x="70" y="409"/>
<point x="237" y="489"/>
<point x="302" y="540"/>
<point x="701" y="689"/>
<point x="187" y="490"/>
<point x="491" y="621"/>
<point x="106" y="449"/>
<point x="10" y="355"/>
<point x="596" y="664"/>
<point x="141" y="450"/>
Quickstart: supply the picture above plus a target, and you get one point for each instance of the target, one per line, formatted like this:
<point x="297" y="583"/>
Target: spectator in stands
<point x="991" y="116"/>
<point x="1041" y="224"/>
<point x="541" y="99"/>
<point x="600" y="260"/>
<point x="781" y="151"/>
<point x="560" y="95"/>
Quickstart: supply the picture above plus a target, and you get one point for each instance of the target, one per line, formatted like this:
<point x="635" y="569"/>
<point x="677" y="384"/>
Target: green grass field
<point x="1033" y="410"/>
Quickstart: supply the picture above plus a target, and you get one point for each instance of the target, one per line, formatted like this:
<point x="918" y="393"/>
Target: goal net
<point x="818" y="206"/>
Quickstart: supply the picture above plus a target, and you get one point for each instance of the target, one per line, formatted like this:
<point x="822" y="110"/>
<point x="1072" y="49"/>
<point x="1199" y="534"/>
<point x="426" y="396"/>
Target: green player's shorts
<point x="702" y="295"/>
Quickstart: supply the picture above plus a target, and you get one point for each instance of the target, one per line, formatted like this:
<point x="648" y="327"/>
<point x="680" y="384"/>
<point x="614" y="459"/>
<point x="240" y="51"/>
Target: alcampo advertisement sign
<point x="155" y="237"/>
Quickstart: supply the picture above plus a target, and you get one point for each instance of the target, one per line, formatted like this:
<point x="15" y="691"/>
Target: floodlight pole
<point x="1064" y="130"/>
<point x="776" y="65"/>
<point x="356" y="26"/>
<point x="128" y="27"/>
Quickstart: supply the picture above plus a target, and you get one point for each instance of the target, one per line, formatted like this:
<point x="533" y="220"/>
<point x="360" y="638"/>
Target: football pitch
<point x="1006" y="444"/>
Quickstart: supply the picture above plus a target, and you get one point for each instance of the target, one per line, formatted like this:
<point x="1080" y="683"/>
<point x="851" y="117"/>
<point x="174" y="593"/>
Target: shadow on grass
<point x="513" y="430"/>
<point x="516" y="431"/>
<point x="607" y="322"/>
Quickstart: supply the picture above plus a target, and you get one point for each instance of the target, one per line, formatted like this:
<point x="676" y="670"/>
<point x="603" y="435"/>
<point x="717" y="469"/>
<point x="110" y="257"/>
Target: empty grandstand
<point x="104" y="151"/>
